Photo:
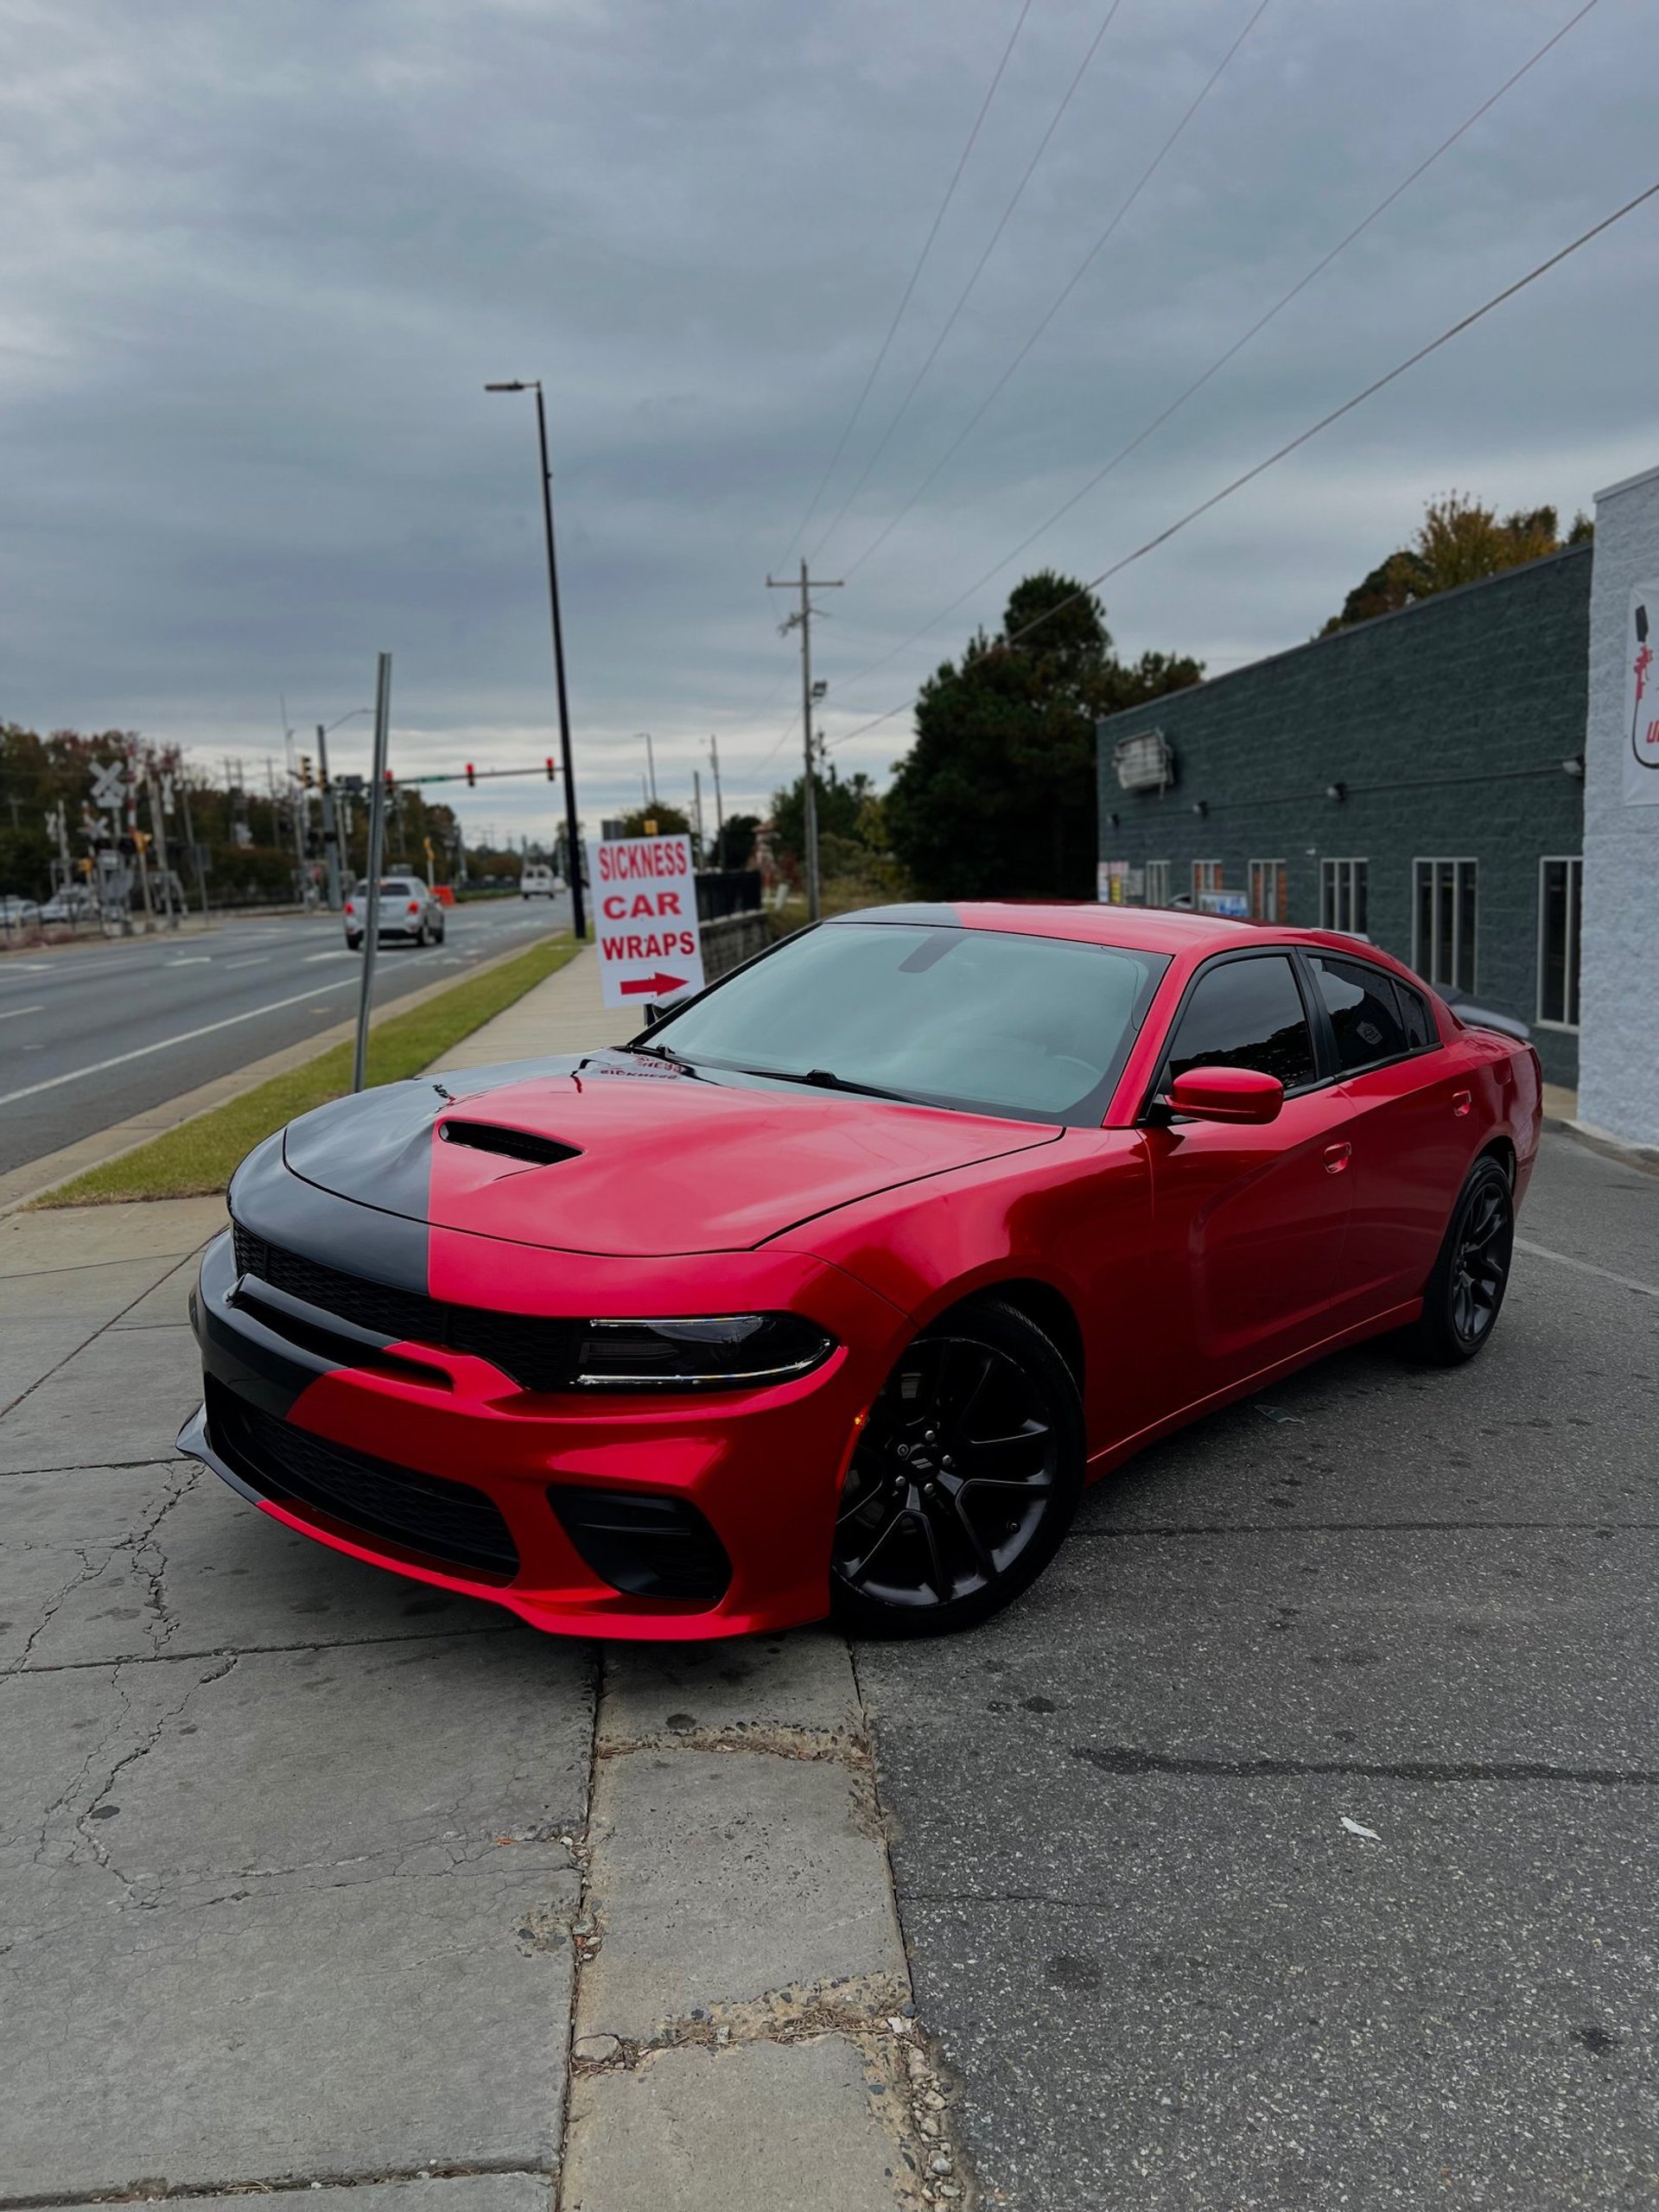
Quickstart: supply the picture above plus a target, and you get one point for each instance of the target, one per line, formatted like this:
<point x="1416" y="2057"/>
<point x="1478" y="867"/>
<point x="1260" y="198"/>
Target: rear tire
<point x="355" y="944"/>
<point x="1465" y="1293"/>
<point x="964" y="1480"/>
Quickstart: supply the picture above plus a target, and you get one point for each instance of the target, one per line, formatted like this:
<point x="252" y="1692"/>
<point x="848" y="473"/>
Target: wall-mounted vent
<point x="510" y="1144"/>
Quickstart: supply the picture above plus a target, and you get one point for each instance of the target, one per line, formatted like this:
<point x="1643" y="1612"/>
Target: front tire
<point x="355" y="944"/>
<point x="964" y="1480"/>
<point x="1465" y="1293"/>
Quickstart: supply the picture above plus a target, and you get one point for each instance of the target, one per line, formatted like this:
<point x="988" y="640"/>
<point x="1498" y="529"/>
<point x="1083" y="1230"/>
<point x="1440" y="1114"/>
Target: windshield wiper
<point x="827" y="1079"/>
<point x="660" y="1052"/>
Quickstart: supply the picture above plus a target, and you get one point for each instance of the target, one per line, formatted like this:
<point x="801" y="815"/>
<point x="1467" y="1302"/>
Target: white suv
<point x="538" y="881"/>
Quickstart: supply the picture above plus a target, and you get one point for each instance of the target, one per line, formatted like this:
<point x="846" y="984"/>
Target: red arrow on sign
<point x="652" y="986"/>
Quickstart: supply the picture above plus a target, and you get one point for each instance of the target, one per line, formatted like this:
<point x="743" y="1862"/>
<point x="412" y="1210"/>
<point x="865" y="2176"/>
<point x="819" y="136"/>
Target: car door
<point x="1248" y="1221"/>
<point x="1407" y="1099"/>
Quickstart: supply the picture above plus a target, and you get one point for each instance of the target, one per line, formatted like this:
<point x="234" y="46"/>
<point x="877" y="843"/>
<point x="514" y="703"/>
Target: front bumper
<point x="434" y="1463"/>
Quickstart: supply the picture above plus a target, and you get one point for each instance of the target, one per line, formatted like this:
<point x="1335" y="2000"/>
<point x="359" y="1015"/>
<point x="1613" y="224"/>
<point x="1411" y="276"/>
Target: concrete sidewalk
<point x="309" y="1875"/>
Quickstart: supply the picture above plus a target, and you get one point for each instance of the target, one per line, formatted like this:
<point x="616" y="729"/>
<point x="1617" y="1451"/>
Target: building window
<point x="1345" y="896"/>
<point x="1206" y="876"/>
<point x="1445" y="900"/>
<point x="1560" y="892"/>
<point x="1269" y="892"/>
<point x="1157" y="883"/>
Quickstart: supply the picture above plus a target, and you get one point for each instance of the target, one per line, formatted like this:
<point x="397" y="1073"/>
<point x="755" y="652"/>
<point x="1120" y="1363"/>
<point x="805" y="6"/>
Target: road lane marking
<point x="1583" y="1267"/>
<point x="191" y="960"/>
<point x="12" y="1012"/>
<point x="338" y="952"/>
<point x="257" y="961"/>
<point x="161" y="1044"/>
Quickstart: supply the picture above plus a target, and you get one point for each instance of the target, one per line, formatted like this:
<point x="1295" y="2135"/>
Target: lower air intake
<point x="649" y="1546"/>
<point x="452" y="1524"/>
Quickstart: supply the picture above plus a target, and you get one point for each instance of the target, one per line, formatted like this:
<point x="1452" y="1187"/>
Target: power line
<point x="915" y="277"/>
<point x="1003" y="221"/>
<point x="1066" y="292"/>
<point x="1222" y="359"/>
<point x="1292" y="445"/>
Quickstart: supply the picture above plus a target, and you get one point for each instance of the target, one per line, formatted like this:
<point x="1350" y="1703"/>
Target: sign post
<point x="377" y="848"/>
<point x="645" y="892"/>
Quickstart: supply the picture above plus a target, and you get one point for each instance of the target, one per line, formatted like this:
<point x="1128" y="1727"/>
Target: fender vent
<point x="511" y="1144"/>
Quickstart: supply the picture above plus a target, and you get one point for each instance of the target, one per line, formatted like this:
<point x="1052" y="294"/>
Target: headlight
<point x="726" y="1352"/>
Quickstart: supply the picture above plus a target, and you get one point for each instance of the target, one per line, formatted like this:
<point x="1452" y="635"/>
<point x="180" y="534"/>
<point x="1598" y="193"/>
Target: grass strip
<point x="200" y="1156"/>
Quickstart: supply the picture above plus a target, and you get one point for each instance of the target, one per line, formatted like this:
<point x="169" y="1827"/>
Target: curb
<point x="20" y="1187"/>
<point x="744" y="2034"/>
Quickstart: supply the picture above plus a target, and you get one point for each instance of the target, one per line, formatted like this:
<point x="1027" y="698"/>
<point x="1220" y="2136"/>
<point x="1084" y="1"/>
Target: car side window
<point x="1246" y="1014"/>
<point x="1414" y="1011"/>
<point x="1364" y="1013"/>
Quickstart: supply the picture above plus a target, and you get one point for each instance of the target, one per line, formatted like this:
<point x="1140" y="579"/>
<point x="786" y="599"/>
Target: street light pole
<point x="578" y="909"/>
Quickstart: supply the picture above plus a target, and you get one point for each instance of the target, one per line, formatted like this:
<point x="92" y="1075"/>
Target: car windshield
<point x="982" y="1020"/>
<point x="391" y="887"/>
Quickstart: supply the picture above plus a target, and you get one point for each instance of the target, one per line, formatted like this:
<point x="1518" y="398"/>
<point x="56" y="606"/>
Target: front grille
<point x="539" y="1354"/>
<point x="650" y="1546"/>
<point x="451" y="1523"/>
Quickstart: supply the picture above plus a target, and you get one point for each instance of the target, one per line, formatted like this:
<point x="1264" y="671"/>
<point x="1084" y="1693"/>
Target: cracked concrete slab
<point x="758" y="2127"/>
<point x="419" y="2192"/>
<point x="747" y="1689"/>
<point x="167" y="1302"/>
<point x="122" y="1397"/>
<point x="335" y="2031"/>
<point x="32" y="1346"/>
<point x="106" y="1563"/>
<point x="722" y="1876"/>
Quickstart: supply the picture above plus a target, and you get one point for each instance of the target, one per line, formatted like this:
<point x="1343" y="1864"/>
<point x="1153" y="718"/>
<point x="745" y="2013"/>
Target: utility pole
<point x="696" y="793"/>
<point x="377" y="846"/>
<point x="803" y="620"/>
<point x="330" y="831"/>
<point x="651" y="764"/>
<point x="720" y="818"/>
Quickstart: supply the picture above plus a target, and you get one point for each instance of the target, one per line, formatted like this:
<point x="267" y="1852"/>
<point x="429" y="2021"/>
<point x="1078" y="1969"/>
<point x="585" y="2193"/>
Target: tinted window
<point x="1246" y="1014"/>
<point x="1363" y="1010"/>
<point x="1414" y="1012"/>
<point x="1035" y="1026"/>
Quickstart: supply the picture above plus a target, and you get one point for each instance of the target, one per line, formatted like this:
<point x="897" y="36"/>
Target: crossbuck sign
<point x="645" y="899"/>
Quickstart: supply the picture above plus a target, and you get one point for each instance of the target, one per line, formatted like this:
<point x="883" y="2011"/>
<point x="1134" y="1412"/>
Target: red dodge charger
<point x="831" y="1292"/>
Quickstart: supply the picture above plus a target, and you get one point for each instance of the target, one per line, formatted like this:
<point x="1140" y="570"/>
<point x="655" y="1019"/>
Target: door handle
<point x="1461" y="1102"/>
<point x="1337" y="1157"/>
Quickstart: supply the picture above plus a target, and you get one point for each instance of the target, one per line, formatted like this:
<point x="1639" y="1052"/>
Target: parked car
<point x="538" y="881"/>
<point x="831" y="1292"/>
<point x="72" y="903"/>
<point x="17" y="914"/>
<point x="409" y="909"/>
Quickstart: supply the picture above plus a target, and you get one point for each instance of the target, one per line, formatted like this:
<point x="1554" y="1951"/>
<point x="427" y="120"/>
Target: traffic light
<point x="388" y="780"/>
<point x="550" y="769"/>
<point x="305" y="770"/>
<point x="471" y="781"/>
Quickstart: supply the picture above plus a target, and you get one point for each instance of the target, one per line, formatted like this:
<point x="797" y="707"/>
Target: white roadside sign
<point x="644" y="895"/>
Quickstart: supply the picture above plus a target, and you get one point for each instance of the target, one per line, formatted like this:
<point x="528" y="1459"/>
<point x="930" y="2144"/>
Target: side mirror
<point x="1227" y="1094"/>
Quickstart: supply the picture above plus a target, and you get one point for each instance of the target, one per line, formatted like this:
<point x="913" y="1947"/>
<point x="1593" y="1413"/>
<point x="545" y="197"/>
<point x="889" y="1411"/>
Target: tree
<point x="659" y="819"/>
<point x="1457" y="542"/>
<point x="997" y="795"/>
<point x="841" y="802"/>
<point x="736" y="842"/>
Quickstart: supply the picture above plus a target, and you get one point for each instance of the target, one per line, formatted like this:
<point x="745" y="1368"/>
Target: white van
<point x="538" y="881"/>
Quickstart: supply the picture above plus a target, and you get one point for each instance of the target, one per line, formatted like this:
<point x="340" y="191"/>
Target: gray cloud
<point x="261" y="261"/>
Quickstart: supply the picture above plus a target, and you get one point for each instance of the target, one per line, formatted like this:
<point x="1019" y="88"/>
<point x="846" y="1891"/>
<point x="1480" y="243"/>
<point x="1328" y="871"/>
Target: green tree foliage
<point x="1457" y="542"/>
<point x="666" y="821"/>
<point x="841" y="802"/>
<point x="735" y="843"/>
<point x="996" y="797"/>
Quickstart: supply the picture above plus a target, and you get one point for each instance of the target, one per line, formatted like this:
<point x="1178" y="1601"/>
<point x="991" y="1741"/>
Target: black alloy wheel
<point x="964" y="1479"/>
<point x="1465" y="1294"/>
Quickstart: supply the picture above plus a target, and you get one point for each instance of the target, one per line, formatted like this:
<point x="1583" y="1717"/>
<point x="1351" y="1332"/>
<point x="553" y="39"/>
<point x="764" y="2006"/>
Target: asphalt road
<point x="91" y="1033"/>
<point x="1164" y="1971"/>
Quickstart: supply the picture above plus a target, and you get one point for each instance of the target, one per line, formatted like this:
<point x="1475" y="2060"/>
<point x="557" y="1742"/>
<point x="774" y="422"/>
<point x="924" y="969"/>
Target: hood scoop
<point x="510" y="1144"/>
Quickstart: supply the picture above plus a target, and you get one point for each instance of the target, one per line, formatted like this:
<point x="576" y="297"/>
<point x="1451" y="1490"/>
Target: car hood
<point x="637" y="1158"/>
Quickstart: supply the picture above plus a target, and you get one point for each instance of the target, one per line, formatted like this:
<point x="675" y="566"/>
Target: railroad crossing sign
<point x="649" y="944"/>
<point x="107" y="784"/>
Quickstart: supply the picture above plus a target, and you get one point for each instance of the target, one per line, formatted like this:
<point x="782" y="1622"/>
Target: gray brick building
<point x="1419" y="777"/>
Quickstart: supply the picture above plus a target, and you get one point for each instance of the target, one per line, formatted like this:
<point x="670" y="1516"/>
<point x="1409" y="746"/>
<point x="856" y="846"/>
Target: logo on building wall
<point x="1143" y="762"/>
<point x="1641" y="698"/>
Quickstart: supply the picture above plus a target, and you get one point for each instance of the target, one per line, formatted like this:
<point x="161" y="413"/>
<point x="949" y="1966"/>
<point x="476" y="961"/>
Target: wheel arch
<point x="1050" y="1309"/>
<point x="1502" y="1150"/>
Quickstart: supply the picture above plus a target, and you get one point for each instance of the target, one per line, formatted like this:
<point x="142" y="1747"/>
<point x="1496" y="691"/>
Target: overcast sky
<point x="258" y="261"/>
